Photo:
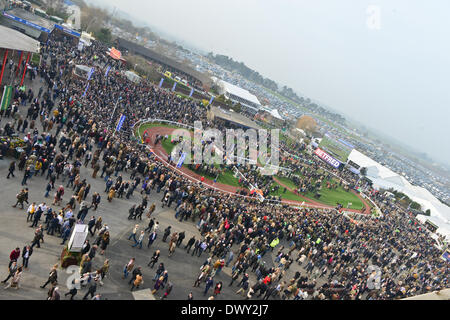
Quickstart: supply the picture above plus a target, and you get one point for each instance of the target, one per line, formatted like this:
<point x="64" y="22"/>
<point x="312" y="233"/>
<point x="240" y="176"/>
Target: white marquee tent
<point x="385" y="178"/>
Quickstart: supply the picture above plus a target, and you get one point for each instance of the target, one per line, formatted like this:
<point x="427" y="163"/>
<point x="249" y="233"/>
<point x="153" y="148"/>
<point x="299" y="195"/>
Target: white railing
<point x="142" y="121"/>
<point x="362" y="194"/>
<point x="180" y="124"/>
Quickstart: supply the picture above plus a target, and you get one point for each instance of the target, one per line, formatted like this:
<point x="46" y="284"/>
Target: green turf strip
<point x="329" y="196"/>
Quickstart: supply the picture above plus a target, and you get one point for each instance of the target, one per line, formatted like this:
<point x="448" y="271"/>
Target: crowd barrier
<point x="137" y="124"/>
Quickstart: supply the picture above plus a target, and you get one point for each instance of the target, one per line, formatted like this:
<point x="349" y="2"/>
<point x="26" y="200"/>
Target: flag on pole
<point x="161" y="82"/>
<point x="119" y="125"/>
<point x="90" y="73"/>
<point x="211" y="100"/>
<point x="181" y="160"/>
<point x="6" y="98"/>
<point x="192" y="91"/>
<point x="174" y="85"/>
<point x="85" y="90"/>
<point x="107" y="70"/>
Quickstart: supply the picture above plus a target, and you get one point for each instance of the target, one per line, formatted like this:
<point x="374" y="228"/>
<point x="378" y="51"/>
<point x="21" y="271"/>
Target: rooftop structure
<point x="234" y="117"/>
<point x="239" y="95"/>
<point x="385" y="178"/>
<point x="135" y="48"/>
<point x="14" y="40"/>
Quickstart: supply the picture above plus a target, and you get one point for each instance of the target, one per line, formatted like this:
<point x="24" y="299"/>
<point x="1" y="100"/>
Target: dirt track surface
<point x="159" y="151"/>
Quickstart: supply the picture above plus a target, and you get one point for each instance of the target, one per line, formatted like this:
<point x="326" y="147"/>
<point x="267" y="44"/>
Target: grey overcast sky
<point x="395" y="78"/>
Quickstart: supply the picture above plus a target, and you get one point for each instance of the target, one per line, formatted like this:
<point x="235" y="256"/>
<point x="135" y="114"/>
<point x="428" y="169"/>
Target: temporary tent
<point x="132" y="76"/>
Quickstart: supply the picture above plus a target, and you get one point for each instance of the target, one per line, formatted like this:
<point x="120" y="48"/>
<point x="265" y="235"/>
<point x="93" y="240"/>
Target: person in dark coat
<point x="52" y="277"/>
<point x="36" y="217"/>
<point x="91" y="224"/>
<point x="135" y="272"/>
<point x="93" y="252"/>
<point x="181" y="237"/>
<point x="26" y="254"/>
<point x="92" y="289"/>
<point x="12" y="270"/>
<point x="151" y="238"/>
<point x="166" y="233"/>
<point x="209" y="284"/>
<point x="86" y="247"/>
<point x="87" y="266"/>
<point x="154" y="258"/>
<point x="189" y="244"/>
<point x="11" y="169"/>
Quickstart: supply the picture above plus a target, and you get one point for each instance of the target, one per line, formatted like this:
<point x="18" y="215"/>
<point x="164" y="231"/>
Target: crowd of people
<point x="333" y="254"/>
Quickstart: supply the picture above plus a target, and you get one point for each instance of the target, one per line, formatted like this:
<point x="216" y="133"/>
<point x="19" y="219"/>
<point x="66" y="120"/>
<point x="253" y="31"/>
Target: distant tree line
<point x="231" y="65"/>
<point x="239" y="67"/>
<point x="93" y="19"/>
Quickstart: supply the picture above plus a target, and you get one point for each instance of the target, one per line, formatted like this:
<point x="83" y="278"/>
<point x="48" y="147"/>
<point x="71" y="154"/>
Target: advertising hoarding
<point x="327" y="158"/>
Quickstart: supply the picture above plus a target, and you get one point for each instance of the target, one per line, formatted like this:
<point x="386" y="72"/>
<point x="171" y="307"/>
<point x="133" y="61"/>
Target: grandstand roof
<point x="237" y="91"/>
<point x="234" y="117"/>
<point x="435" y="295"/>
<point x="30" y="17"/>
<point x="150" y="54"/>
<point x="15" y="40"/>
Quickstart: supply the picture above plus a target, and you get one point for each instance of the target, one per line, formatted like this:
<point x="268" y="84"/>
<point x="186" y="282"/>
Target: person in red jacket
<point x="15" y="254"/>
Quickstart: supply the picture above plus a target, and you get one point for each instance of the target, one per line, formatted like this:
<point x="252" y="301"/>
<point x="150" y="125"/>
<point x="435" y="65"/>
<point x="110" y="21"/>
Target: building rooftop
<point x="31" y="17"/>
<point x="15" y="40"/>
<point x="237" y="91"/>
<point x="162" y="59"/>
<point x="234" y="117"/>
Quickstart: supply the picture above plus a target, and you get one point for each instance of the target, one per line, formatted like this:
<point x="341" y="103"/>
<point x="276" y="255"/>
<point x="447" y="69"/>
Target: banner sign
<point x="192" y="92"/>
<point x="181" y="160"/>
<point x="327" y="158"/>
<point x="174" y="86"/>
<point x="6" y="97"/>
<point x="90" y="73"/>
<point x="26" y="22"/>
<point x="446" y="256"/>
<point x="161" y="82"/>
<point x="107" y="71"/>
<point x="346" y="143"/>
<point x="85" y="90"/>
<point x="119" y="125"/>
<point x="67" y="30"/>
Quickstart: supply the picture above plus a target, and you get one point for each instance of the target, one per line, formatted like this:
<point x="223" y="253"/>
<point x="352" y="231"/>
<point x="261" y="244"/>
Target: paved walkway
<point x="15" y="232"/>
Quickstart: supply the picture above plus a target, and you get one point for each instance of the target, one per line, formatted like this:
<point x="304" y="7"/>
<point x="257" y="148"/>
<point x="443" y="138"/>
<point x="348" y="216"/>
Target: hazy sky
<point x="395" y="78"/>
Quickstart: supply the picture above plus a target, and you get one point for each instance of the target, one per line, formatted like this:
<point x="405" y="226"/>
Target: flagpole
<point x="112" y="116"/>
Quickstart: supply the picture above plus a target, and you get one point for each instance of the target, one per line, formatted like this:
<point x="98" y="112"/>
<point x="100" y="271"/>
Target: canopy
<point x="276" y="114"/>
<point x="115" y="54"/>
<point x="14" y="40"/>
